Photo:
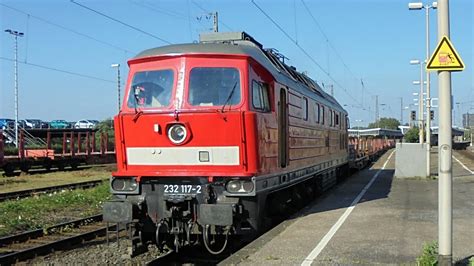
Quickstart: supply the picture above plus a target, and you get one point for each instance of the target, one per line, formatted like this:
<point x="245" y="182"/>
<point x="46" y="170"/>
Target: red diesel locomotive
<point x="215" y="137"/>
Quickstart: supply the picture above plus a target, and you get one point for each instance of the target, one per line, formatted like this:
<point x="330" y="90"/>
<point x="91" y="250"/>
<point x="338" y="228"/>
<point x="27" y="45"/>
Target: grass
<point x="430" y="254"/>
<point x="46" y="210"/>
<point x="30" y="181"/>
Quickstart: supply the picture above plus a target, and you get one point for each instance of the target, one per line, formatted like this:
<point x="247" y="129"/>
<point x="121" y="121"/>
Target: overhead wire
<point x="158" y="10"/>
<point x="295" y="22"/>
<point x="305" y="52"/>
<point x="58" y="70"/>
<point x="329" y="42"/>
<point x="27" y="37"/>
<point x="169" y="11"/>
<point x="190" y="28"/>
<point x="207" y="11"/>
<point x="121" y="22"/>
<point x="68" y="29"/>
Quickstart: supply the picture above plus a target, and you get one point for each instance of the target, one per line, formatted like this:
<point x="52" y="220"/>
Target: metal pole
<point x="420" y="106"/>
<point x="216" y="22"/>
<point x="472" y="129"/>
<point x="16" y="90"/>
<point x="401" y="111"/>
<point x="445" y="197"/>
<point x="16" y="34"/>
<point x="118" y="87"/>
<point x="428" y="99"/>
<point x="376" y="110"/>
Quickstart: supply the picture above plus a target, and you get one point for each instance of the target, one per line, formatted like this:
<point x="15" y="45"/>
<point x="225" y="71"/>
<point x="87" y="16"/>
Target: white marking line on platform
<point x="465" y="167"/>
<point x="322" y="244"/>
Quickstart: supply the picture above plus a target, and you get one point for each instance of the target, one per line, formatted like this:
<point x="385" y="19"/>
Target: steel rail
<point x="190" y="257"/>
<point x="36" y="191"/>
<point x="42" y="249"/>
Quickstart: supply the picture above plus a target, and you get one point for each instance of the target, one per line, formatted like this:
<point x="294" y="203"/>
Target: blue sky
<point x="367" y="39"/>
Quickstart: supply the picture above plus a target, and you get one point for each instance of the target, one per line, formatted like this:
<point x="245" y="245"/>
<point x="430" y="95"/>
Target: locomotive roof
<point x="281" y="72"/>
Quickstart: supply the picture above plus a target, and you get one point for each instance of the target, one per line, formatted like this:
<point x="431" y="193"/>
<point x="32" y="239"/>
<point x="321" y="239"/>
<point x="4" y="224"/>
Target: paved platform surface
<point x="389" y="224"/>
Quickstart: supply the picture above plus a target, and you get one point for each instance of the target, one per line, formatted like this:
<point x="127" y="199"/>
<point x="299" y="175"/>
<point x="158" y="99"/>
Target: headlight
<point x="177" y="133"/>
<point x="118" y="184"/>
<point x="239" y="186"/>
<point x="124" y="184"/>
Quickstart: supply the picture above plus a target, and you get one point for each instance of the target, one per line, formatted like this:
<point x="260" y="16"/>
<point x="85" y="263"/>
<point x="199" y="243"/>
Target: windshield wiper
<point x="229" y="97"/>
<point x="136" y="90"/>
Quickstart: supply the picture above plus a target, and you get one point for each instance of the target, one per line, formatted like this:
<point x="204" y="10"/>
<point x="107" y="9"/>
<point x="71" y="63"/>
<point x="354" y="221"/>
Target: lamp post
<point x="16" y="34"/>
<point x="419" y="6"/>
<point x="408" y="108"/>
<point x="118" y="84"/>
<point x="420" y="101"/>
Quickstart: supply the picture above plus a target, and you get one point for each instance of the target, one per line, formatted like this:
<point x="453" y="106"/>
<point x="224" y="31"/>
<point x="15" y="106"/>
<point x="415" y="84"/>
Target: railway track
<point x="467" y="154"/>
<point x="38" y="191"/>
<point x="38" y="242"/>
<point x="188" y="257"/>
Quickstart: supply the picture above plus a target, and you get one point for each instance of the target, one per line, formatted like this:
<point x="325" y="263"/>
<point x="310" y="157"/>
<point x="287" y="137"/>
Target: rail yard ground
<point x="52" y="208"/>
<point x="41" y="179"/>
<point x="388" y="225"/>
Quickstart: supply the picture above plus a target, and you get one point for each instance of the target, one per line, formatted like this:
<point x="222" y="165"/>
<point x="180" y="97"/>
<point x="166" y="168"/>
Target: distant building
<point x="468" y="120"/>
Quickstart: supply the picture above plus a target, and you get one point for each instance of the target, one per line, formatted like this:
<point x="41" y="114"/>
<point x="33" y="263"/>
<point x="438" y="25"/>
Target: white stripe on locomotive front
<point x="219" y="155"/>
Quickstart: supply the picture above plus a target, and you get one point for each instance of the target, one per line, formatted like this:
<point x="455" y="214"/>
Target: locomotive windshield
<point x="151" y="89"/>
<point x="214" y="86"/>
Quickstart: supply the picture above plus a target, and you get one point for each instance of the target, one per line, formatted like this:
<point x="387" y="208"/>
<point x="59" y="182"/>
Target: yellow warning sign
<point x="445" y="57"/>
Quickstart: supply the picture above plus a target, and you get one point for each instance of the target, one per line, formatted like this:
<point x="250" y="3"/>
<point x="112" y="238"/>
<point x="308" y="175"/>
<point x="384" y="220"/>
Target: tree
<point x="412" y="135"/>
<point x="386" y="122"/>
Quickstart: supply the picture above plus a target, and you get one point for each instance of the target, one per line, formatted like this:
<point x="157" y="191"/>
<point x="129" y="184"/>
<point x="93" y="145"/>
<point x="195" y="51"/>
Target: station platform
<point x="386" y="222"/>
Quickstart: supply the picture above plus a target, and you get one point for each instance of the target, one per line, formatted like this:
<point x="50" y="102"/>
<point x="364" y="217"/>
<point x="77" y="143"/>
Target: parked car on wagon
<point x="32" y="123"/>
<point x="44" y="124"/>
<point x="58" y="124"/>
<point x="6" y="123"/>
<point x="86" y="124"/>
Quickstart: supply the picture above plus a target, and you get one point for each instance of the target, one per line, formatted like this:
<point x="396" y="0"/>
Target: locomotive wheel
<point x="9" y="169"/>
<point x="47" y="165"/>
<point x="25" y="167"/>
<point x="217" y="243"/>
<point x="61" y="166"/>
<point x="163" y="239"/>
<point x="297" y="196"/>
<point x="74" y="165"/>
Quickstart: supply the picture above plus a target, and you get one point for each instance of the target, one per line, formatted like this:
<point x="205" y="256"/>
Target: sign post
<point x="445" y="59"/>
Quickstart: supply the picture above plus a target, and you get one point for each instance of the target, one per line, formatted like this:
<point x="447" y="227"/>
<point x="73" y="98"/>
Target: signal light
<point x="431" y="114"/>
<point x="413" y="115"/>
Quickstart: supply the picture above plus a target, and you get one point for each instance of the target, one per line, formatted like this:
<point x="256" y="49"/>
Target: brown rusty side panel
<point x="311" y="143"/>
<point x="267" y="142"/>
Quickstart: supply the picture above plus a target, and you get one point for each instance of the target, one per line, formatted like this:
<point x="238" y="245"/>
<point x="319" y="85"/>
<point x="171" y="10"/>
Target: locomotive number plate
<point x="182" y="189"/>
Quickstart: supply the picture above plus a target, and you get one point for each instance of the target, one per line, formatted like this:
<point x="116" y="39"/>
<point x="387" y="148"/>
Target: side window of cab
<point x="260" y="96"/>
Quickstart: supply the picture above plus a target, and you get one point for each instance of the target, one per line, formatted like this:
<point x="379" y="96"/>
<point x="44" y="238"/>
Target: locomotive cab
<point x="186" y="146"/>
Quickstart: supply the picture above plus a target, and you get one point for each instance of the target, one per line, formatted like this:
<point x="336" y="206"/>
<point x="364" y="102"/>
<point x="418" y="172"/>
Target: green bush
<point x="429" y="256"/>
<point x="412" y="135"/>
